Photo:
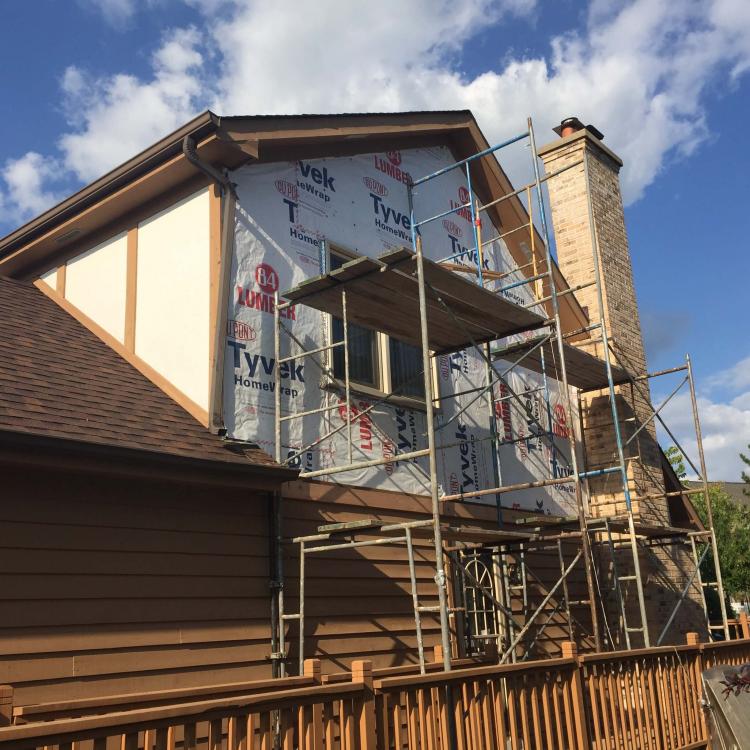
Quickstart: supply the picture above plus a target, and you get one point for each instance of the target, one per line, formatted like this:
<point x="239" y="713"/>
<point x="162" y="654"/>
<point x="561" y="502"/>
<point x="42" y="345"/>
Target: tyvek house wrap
<point x="360" y="203"/>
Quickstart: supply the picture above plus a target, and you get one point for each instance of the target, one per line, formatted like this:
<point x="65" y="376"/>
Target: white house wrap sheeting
<point x="359" y="204"/>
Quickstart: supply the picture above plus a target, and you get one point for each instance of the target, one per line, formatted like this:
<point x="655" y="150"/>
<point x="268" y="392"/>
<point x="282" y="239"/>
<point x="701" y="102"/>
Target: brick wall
<point x="665" y="569"/>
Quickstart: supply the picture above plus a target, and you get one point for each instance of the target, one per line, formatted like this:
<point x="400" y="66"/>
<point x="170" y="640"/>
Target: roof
<point x="736" y="490"/>
<point x="59" y="380"/>
<point x="229" y="142"/>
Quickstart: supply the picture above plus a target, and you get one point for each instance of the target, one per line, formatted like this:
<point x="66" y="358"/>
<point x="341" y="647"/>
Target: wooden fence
<point x="647" y="699"/>
<point x="529" y="705"/>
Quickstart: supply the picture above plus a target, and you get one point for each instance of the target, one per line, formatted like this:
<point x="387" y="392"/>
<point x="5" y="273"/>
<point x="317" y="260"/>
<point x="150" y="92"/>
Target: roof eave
<point x="199" y="127"/>
<point x="105" y="458"/>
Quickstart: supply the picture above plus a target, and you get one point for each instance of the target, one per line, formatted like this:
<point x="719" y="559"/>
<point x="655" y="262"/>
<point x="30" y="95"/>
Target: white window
<point x="376" y="361"/>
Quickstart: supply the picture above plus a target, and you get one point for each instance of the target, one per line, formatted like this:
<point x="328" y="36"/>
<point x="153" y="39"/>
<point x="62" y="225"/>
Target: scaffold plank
<point x="419" y="529"/>
<point x="383" y="295"/>
<point x="585" y="371"/>
<point x="619" y="524"/>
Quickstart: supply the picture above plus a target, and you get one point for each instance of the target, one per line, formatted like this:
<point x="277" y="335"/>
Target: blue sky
<point x="88" y="83"/>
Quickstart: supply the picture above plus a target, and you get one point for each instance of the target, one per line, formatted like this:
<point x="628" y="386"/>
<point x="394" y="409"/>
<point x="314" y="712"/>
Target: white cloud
<point x="25" y="180"/>
<point x="742" y="401"/>
<point x="734" y="378"/>
<point x="725" y="424"/>
<point x="117" y="116"/>
<point x="641" y="71"/>
<point x="340" y="56"/>
<point x="117" y="13"/>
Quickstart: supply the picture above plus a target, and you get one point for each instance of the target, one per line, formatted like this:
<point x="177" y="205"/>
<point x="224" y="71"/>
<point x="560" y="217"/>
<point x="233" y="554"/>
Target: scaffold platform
<point x="585" y="371"/>
<point x="383" y="295"/>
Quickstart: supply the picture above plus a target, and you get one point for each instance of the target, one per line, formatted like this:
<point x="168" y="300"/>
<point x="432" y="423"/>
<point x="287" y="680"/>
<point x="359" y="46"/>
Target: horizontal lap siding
<point x="118" y="585"/>
<point x="543" y="571"/>
<point x="113" y="586"/>
<point x="358" y="601"/>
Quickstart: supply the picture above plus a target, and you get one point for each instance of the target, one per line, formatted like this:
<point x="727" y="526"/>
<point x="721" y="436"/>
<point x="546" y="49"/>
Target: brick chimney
<point x="664" y="571"/>
<point x="572" y="223"/>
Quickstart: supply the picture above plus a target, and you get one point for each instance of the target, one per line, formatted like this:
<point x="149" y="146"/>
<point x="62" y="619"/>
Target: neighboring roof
<point x="736" y="490"/>
<point x="58" y="380"/>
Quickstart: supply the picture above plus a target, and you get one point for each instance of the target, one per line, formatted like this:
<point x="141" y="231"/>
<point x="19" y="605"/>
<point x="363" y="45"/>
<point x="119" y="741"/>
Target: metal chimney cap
<point x="573" y="124"/>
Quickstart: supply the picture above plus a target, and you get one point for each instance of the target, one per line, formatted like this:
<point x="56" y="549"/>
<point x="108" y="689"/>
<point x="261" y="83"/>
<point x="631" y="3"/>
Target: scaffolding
<point x="457" y="309"/>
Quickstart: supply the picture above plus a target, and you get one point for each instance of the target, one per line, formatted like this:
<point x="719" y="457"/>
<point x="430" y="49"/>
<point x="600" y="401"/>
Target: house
<point x="161" y="424"/>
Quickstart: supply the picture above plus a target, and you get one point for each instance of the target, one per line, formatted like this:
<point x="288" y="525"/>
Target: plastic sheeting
<point x="359" y="204"/>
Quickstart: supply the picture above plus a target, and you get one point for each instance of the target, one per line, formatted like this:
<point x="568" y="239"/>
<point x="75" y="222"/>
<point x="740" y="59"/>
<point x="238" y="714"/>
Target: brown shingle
<point x="57" y="379"/>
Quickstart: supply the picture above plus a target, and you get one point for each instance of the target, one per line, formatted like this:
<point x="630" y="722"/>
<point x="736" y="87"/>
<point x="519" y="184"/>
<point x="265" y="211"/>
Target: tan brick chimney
<point x="665" y="569"/>
<point x="572" y="220"/>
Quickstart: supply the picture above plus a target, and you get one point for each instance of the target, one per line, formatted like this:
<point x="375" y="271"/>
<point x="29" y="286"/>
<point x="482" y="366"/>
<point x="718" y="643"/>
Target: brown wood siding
<point x="113" y="585"/>
<point x="359" y="601"/>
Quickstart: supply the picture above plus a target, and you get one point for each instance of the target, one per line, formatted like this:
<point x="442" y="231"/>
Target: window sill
<point x="408" y="402"/>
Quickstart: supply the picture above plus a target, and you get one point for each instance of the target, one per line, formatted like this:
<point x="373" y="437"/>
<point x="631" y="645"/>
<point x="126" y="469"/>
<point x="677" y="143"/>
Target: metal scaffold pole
<point x="707" y="496"/>
<point x="615" y="414"/>
<point x="587" y="559"/>
<point x="477" y="221"/>
<point x="440" y="578"/>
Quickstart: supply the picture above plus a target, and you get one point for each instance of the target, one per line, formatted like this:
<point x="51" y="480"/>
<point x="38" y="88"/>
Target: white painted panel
<point x="95" y="283"/>
<point x="50" y="278"/>
<point x="172" y="298"/>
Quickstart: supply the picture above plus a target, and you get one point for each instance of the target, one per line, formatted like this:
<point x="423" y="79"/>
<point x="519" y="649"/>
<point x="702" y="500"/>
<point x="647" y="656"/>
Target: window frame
<point x="378" y="375"/>
<point x="381" y="359"/>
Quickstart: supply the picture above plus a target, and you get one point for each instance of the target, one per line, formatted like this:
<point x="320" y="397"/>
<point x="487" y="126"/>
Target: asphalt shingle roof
<point x="58" y="380"/>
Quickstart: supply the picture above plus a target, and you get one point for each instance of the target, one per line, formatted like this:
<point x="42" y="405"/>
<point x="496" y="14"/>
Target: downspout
<point x="228" y="204"/>
<point x="278" y="645"/>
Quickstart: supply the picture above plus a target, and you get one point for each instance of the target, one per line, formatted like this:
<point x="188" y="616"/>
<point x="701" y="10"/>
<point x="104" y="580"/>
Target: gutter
<point x="32" y="448"/>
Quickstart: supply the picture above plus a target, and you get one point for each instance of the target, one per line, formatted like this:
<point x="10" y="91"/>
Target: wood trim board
<point x="131" y="289"/>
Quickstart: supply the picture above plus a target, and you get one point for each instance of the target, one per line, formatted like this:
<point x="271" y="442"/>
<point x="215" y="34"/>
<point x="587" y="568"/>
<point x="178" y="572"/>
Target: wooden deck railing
<point x="102" y="704"/>
<point x="739" y="627"/>
<point x="73" y="707"/>
<point x="531" y="705"/>
<point x="339" y="716"/>
<point x="646" y="699"/>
